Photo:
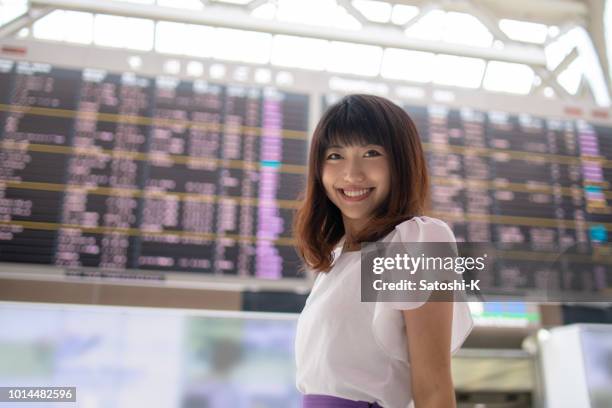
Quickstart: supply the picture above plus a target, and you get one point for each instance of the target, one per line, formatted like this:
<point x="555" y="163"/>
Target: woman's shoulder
<point x="424" y="229"/>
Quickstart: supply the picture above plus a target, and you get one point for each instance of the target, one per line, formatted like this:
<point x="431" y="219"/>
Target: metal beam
<point x="423" y="11"/>
<point x="256" y="3"/>
<point x="552" y="82"/>
<point x="348" y="6"/>
<point x="24" y="20"/>
<point x="489" y="20"/>
<point x="563" y="29"/>
<point x="596" y="30"/>
<point x="219" y="16"/>
<point x="549" y="78"/>
<point x="538" y="11"/>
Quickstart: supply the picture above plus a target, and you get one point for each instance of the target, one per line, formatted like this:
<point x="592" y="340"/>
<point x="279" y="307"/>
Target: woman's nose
<point x="354" y="172"/>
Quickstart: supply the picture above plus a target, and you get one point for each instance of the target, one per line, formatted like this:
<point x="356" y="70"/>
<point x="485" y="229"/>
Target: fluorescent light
<point x="355" y="59"/>
<point x="300" y="52"/>
<point x="458" y="71"/>
<point x="376" y="11"/>
<point x="407" y="65"/>
<point x="452" y="27"/>
<point x="402" y="13"/>
<point x="241" y="45"/>
<point x="524" y="31"/>
<point x="508" y="77"/>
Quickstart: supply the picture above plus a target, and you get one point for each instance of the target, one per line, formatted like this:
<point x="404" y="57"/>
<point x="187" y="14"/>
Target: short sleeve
<point x="388" y="321"/>
<point x="421" y="229"/>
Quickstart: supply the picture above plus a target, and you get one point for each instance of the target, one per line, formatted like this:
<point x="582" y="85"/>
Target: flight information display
<point x="122" y="172"/>
<point x="118" y="171"/>
<point x="520" y="181"/>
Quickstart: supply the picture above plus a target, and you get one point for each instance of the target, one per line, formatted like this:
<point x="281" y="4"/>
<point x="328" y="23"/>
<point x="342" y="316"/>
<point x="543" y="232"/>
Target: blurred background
<point x="152" y="152"/>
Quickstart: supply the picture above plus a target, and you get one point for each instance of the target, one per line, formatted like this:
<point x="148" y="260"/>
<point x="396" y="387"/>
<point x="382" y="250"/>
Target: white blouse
<point x="357" y="350"/>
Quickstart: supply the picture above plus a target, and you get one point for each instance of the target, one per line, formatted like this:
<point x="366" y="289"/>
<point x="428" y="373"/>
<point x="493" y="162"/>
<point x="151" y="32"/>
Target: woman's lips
<point x="354" y="195"/>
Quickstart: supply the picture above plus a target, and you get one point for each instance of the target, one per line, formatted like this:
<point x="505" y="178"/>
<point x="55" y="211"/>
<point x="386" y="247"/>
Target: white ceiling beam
<point x="563" y="29"/>
<point x="256" y="3"/>
<point x="552" y="82"/>
<point x="549" y="78"/>
<point x="596" y="29"/>
<point x="348" y="6"/>
<point x="423" y="11"/>
<point x="539" y="11"/>
<point x="24" y="20"/>
<point x="219" y="16"/>
<point x="489" y="20"/>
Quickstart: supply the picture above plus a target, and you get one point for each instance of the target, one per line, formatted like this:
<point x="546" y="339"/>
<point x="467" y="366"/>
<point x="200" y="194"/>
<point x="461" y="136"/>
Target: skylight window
<point x="402" y="13"/>
<point x="51" y="27"/>
<point x="316" y="12"/>
<point x="429" y="27"/>
<point x="570" y="78"/>
<point x="345" y="20"/>
<point x="267" y="11"/>
<point x="458" y="71"/>
<point x="355" y="59"/>
<point x="241" y="45"/>
<point x="407" y="65"/>
<point x="588" y="63"/>
<point x="80" y="27"/>
<point x="376" y="11"/>
<point x="452" y="27"/>
<point x="170" y="37"/>
<point x="463" y="28"/>
<point x="123" y="32"/>
<point x="508" y="77"/>
<point x="524" y="31"/>
<point x="60" y="25"/>
<point x="11" y="9"/>
<point x="184" y="39"/>
<point x="299" y="52"/>
<point x="556" y="51"/>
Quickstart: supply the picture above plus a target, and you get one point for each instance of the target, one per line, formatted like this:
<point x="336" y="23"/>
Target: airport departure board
<point x="120" y="172"/>
<point x="543" y="186"/>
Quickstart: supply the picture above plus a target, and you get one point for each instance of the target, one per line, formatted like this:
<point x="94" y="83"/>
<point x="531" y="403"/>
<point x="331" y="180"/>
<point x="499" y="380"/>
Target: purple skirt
<point x="327" y="401"/>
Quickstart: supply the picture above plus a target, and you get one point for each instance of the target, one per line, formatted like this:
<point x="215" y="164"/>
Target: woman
<point x="367" y="181"/>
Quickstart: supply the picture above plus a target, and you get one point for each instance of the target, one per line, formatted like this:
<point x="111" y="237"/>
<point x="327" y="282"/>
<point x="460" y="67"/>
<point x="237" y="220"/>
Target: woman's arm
<point x="429" y="336"/>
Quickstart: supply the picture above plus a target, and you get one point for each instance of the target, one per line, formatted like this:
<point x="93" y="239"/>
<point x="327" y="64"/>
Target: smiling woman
<point x="367" y="181"/>
<point x="356" y="180"/>
<point x="362" y="142"/>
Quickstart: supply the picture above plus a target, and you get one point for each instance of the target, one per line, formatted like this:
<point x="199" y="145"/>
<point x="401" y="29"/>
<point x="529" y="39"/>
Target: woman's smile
<point x="355" y="195"/>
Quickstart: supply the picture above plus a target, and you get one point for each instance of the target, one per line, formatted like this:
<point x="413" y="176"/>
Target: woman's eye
<point x="373" y="153"/>
<point x="333" y="156"/>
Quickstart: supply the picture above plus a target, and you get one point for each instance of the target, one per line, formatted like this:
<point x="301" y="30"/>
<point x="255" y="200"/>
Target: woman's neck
<point x="352" y="227"/>
<point x="349" y="239"/>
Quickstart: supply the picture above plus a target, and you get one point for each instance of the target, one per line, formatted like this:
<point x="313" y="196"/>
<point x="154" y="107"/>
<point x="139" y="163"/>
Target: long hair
<point x="360" y="120"/>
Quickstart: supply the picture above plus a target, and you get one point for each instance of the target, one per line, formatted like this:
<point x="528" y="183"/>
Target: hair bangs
<point x="351" y="124"/>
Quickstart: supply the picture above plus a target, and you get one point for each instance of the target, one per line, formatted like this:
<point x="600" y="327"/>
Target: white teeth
<point x="355" y="193"/>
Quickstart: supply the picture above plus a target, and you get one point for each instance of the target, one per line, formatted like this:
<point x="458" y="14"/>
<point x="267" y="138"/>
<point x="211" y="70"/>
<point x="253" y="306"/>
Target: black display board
<point x="122" y="172"/>
<point x="521" y="181"/>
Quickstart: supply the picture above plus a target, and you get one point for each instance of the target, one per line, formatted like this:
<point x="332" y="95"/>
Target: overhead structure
<point x="568" y="61"/>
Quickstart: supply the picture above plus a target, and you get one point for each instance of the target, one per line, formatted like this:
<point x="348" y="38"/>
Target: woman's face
<point x="357" y="181"/>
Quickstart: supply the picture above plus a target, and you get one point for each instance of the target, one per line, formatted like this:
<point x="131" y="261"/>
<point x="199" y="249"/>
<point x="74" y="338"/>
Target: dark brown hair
<point x="360" y="120"/>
